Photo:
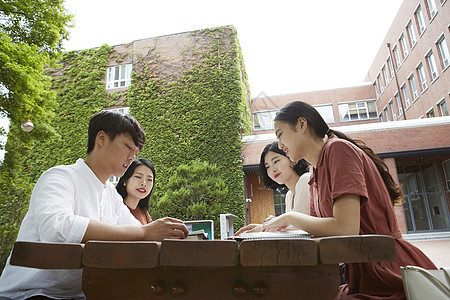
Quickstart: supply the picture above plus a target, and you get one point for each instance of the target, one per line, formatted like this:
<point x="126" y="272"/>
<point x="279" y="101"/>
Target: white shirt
<point x="302" y="196"/>
<point x="63" y="201"/>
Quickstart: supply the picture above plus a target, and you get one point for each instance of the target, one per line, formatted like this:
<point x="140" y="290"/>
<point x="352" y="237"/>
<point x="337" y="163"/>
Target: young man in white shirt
<point x="76" y="203"/>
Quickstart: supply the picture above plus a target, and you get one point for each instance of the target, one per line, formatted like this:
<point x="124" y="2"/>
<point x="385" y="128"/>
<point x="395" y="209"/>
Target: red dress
<point x="343" y="168"/>
<point x="141" y="215"/>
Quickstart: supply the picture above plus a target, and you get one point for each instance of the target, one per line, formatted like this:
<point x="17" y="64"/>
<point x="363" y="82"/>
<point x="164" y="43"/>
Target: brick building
<point x="400" y="111"/>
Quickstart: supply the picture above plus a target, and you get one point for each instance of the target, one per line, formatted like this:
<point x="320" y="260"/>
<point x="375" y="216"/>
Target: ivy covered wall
<point x="189" y="91"/>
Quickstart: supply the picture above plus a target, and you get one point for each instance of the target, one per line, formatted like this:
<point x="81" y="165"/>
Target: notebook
<point x="273" y="235"/>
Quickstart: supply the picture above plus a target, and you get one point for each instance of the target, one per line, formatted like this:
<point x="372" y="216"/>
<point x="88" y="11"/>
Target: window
<point x="442" y="105"/>
<point x="412" y="83"/>
<point x="430" y="113"/>
<point x="386" y="113"/>
<point x="326" y="111"/>
<point x="443" y="49"/>
<point x="376" y="89"/>
<point x="354" y="111"/>
<point x="125" y="111"/>
<point x="405" y="96"/>
<point x="432" y="65"/>
<point x="380" y="116"/>
<point x="385" y="76"/>
<point x="396" y="57"/>
<point x="432" y="8"/>
<point x="263" y="120"/>
<point x="399" y="104"/>
<point x="423" y="79"/>
<point x="380" y="84"/>
<point x="420" y="20"/>
<point x="411" y="34"/>
<point x="403" y="46"/>
<point x="279" y="196"/>
<point x="391" y="68"/>
<point x="114" y="180"/>
<point x="121" y="110"/>
<point x="119" y="76"/>
<point x="392" y="107"/>
<point x="446" y="167"/>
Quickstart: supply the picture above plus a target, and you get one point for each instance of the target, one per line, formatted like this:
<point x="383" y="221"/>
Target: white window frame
<point x="385" y="75"/>
<point x="445" y="166"/>
<point x="429" y="112"/>
<point x="376" y="89"/>
<point x="422" y="77"/>
<point x="432" y="8"/>
<point x="265" y="119"/>
<point x="391" y="66"/>
<point x="432" y="64"/>
<point x="397" y="57"/>
<point x="327" y="112"/>
<point x="420" y="20"/>
<point x="380" y="83"/>
<point x="386" y="113"/>
<point x="413" y="84"/>
<point x="444" y="52"/>
<point x="440" y="104"/>
<point x="404" y="90"/>
<point x="403" y="45"/>
<point x="393" y="112"/>
<point x="361" y="109"/>
<point x="122" y="79"/>
<point x="125" y="110"/>
<point x="399" y="104"/>
<point x="411" y="34"/>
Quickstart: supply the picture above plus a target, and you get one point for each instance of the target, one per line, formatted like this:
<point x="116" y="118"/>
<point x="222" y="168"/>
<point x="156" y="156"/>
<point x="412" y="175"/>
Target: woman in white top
<point x="277" y="171"/>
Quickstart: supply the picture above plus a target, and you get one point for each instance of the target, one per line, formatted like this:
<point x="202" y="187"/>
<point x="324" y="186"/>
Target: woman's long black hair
<point x="300" y="167"/>
<point x="120" y="187"/>
<point x="294" y="110"/>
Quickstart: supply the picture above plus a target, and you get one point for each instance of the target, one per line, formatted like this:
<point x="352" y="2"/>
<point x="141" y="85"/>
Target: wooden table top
<point x="193" y="253"/>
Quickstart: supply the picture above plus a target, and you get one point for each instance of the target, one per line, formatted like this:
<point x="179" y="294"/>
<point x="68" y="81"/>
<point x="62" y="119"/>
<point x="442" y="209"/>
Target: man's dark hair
<point x="114" y="123"/>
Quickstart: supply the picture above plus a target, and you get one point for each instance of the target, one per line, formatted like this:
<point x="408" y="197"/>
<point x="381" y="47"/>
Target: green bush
<point x="195" y="191"/>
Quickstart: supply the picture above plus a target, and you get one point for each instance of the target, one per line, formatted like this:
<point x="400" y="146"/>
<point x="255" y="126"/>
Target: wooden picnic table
<point x="219" y="269"/>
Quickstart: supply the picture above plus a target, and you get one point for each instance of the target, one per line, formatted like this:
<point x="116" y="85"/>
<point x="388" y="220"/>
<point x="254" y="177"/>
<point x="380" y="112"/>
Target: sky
<point x="289" y="46"/>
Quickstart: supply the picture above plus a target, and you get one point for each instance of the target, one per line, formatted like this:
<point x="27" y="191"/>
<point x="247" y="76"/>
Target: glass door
<point x="424" y="203"/>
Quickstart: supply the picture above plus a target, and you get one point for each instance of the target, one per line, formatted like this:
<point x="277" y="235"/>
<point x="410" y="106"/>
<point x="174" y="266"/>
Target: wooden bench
<point x="251" y="269"/>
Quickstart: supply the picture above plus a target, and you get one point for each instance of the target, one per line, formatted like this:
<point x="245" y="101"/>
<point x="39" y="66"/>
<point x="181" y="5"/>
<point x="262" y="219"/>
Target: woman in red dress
<point x="135" y="187"/>
<point x="352" y="193"/>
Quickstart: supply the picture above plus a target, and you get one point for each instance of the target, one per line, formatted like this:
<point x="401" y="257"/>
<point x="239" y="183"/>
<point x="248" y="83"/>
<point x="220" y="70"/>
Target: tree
<point x="31" y="36"/>
<point x="194" y="192"/>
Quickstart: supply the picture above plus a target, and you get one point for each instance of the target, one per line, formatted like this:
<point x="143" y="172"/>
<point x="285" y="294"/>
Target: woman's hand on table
<point x="275" y="223"/>
<point x="249" y="228"/>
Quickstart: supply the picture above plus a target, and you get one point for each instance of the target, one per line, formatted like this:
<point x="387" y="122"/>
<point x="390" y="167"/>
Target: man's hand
<point x="165" y="228"/>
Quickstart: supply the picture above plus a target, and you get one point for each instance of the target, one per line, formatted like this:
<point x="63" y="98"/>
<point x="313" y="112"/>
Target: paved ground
<point x="437" y="250"/>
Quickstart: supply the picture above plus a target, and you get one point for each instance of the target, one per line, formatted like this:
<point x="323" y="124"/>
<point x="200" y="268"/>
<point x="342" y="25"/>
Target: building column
<point x="398" y="208"/>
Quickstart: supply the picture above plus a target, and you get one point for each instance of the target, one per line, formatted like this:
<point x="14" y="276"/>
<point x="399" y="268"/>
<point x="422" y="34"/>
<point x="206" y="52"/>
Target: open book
<point x="273" y="235"/>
